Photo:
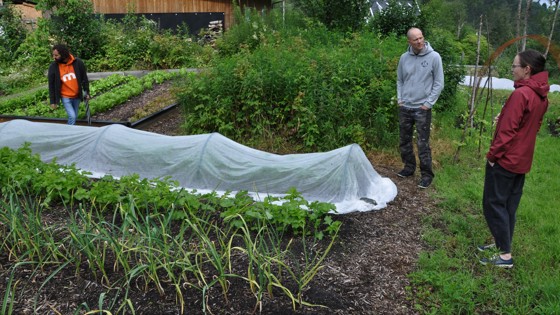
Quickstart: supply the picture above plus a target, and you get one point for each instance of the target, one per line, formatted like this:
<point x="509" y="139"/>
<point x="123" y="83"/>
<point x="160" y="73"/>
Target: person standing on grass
<point x="419" y="84"/>
<point x="68" y="81"/>
<point x="511" y="152"/>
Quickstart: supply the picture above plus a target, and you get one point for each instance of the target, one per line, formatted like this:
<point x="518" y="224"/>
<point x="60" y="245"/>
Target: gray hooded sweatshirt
<point x="419" y="77"/>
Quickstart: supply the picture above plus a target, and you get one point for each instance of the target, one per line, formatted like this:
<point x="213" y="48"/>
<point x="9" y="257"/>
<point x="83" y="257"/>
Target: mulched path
<point x="365" y="273"/>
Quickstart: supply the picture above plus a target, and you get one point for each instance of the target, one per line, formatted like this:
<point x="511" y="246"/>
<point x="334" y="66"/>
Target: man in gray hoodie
<point x="419" y="84"/>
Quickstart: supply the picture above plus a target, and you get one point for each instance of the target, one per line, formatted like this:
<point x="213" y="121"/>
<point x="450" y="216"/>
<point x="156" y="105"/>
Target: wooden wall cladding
<point x="176" y="6"/>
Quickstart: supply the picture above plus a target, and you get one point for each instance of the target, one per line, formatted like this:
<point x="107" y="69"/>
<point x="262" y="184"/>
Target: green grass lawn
<point x="449" y="279"/>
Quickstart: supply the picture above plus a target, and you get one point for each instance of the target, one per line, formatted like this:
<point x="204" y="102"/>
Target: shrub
<point x="250" y="30"/>
<point x="169" y="51"/>
<point x="469" y="47"/>
<point x="453" y="69"/>
<point x="253" y="29"/>
<point x="12" y="32"/>
<point x="71" y="23"/>
<point x="315" y="97"/>
<point x="35" y="52"/>
<point x="396" y="19"/>
<point x="136" y="43"/>
<point x="125" y="44"/>
<point x="345" y="15"/>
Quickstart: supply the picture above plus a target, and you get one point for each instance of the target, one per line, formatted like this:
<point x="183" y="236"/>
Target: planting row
<point x="122" y="233"/>
<point x="106" y="93"/>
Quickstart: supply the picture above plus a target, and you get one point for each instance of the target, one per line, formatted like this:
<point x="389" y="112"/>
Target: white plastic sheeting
<point x="208" y="162"/>
<point x="498" y="83"/>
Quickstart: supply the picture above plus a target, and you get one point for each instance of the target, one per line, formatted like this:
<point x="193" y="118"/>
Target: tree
<point x="518" y="23"/>
<point x="525" y="24"/>
<point x="397" y="18"/>
<point x="556" y="4"/>
<point x="12" y="32"/>
<point x="447" y="15"/>
<point x="72" y="22"/>
<point x="336" y="14"/>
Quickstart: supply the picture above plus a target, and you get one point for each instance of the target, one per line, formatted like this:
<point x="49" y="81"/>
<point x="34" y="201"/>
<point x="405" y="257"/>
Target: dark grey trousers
<point x="500" y="199"/>
<point x="422" y="119"/>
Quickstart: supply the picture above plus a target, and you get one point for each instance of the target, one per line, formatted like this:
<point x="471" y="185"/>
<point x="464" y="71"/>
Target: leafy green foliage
<point x="34" y="98"/>
<point x="453" y="70"/>
<point x="152" y="233"/>
<point x="108" y="83"/>
<point x="21" y="169"/>
<point x="468" y="47"/>
<point x="105" y="95"/>
<point x="345" y="15"/>
<point x="137" y="43"/>
<point x="397" y="18"/>
<point x="12" y="32"/>
<point x="289" y="214"/>
<point x="34" y="54"/>
<point x="249" y="31"/>
<point x="72" y="23"/>
<point x="447" y="15"/>
<point x="169" y="51"/>
<point x="133" y="87"/>
<point x="125" y="44"/>
<point x="319" y="97"/>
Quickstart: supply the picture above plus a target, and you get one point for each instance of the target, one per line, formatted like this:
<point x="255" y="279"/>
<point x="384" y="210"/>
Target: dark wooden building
<point x="196" y="14"/>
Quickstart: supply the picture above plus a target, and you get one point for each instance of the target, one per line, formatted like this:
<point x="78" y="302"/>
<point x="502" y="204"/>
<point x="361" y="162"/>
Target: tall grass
<point x="449" y="279"/>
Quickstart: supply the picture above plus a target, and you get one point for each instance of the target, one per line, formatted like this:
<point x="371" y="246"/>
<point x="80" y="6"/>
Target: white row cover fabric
<point x="208" y="162"/>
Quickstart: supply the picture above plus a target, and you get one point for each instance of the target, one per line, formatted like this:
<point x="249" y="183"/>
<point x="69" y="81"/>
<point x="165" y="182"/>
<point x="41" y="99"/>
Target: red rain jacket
<point x="518" y="124"/>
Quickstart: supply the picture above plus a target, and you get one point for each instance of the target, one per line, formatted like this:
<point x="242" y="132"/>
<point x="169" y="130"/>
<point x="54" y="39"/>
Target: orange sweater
<point x="70" y="87"/>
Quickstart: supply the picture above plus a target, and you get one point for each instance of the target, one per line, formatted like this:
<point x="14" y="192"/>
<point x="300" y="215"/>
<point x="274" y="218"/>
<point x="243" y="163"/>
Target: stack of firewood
<point x="215" y="29"/>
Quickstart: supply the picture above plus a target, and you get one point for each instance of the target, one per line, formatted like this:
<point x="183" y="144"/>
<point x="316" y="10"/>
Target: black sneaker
<point x="498" y="262"/>
<point x="425" y="182"/>
<point x="405" y="173"/>
<point x="483" y="248"/>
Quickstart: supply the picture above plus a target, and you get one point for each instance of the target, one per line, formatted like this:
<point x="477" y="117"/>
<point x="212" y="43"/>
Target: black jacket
<point x="55" y="84"/>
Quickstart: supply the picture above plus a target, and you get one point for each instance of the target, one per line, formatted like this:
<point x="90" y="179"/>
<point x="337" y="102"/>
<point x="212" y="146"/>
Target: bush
<point x="316" y="97"/>
<point x="125" y="44"/>
<point x="396" y="19"/>
<point x="71" y="23"/>
<point x="169" y="51"/>
<point x="253" y="29"/>
<point x="12" y="33"/>
<point x="469" y="47"/>
<point x="453" y="69"/>
<point x="35" y="52"/>
<point x="342" y="15"/>
<point x="136" y="43"/>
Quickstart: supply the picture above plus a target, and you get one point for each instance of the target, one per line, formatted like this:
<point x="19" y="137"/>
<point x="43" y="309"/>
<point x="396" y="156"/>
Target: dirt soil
<point x="365" y="273"/>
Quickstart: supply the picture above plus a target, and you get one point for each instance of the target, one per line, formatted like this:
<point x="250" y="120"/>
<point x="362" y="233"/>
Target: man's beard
<point x="59" y="60"/>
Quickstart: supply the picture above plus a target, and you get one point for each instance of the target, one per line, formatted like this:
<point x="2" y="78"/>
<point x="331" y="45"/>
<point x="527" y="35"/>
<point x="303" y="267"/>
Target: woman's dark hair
<point x="533" y="59"/>
<point x="62" y="51"/>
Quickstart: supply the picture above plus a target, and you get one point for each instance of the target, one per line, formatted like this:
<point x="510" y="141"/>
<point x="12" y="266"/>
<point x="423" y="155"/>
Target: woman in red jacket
<point x="511" y="152"/>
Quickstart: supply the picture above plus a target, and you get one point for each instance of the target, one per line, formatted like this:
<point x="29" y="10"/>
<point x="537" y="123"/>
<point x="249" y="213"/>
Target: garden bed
<point x="365" y="272"/>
